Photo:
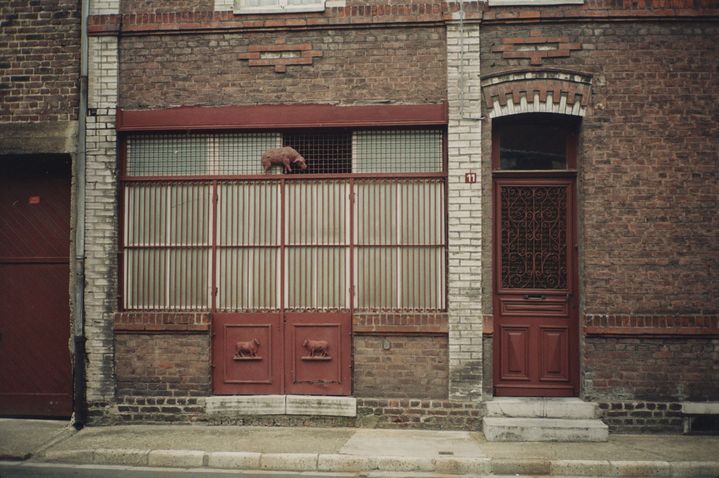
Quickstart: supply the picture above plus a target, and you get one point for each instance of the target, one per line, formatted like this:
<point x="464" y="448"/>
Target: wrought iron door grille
<point x="534" y="240"/>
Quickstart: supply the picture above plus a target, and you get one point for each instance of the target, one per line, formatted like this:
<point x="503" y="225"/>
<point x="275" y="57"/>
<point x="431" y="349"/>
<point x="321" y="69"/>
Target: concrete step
<point x="544" y="429"/>
<point x="541" y="408"/>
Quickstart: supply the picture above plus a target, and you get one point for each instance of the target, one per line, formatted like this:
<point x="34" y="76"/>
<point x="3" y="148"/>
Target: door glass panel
<point x="533" y="147"/>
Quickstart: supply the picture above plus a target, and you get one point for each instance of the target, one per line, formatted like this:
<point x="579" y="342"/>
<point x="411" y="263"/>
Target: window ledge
<point x="277" y="9"/>
<point x="532" y="3"/>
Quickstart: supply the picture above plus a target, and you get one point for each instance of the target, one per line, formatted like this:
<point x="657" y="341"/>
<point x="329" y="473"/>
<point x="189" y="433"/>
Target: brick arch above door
<point x="536" y="91"/>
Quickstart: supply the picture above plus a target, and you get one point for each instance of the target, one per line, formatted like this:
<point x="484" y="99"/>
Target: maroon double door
<point x="304" y="353"/>
<point x="35" y="371"/>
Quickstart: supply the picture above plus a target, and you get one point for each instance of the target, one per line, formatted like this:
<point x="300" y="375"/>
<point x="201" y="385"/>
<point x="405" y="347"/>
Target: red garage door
<point x="35" y="372"/>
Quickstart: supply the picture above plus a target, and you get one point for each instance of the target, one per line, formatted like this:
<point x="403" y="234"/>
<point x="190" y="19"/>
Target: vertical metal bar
<point x="214" y="197"/>
<point x="351" y="284"/>
<point x="282" y="248"/>
<point x="150" y="193"/>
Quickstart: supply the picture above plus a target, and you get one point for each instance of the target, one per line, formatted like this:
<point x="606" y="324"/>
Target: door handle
<point x="534" y="297"/>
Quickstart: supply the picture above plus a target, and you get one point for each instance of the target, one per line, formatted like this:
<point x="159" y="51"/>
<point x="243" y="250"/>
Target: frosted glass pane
<point x="167" y="155"/>
<point x="397" y="151"/>
<point x="242" y="153"/>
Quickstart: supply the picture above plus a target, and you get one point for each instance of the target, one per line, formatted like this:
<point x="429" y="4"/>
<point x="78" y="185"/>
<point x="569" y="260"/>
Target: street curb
<point x="327" y="462"/>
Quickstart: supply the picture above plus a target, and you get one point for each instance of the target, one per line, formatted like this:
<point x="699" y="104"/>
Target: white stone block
<point x="246" y="405"/>
<point x="316" y="405"/>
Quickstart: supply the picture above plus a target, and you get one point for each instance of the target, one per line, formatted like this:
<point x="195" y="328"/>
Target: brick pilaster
<point x="101" y="215"/>
<point x="465" y="213"/>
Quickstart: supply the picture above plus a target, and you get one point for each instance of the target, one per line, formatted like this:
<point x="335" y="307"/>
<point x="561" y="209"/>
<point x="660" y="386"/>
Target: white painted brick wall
<point x="465" y="213"/>
<point x="104" y="7"/>
<point x="101" y="217"/>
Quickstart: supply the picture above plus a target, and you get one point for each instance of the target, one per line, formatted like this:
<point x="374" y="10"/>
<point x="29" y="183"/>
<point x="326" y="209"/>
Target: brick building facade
<point x="399" y="264"/>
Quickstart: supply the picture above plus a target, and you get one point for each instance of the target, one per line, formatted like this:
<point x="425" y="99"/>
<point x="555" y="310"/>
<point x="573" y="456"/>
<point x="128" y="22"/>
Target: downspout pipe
<point x="79" y="385"/>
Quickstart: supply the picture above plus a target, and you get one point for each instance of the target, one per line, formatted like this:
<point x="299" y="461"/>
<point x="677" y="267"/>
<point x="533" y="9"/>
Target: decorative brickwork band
<point x="389" y="323"/>
<point x="536" y="48"/>
<point x="162" y="322"/>
<point x="704" y="326"/>
<point x="280" y="55"/>
<point x="537" y="92"/>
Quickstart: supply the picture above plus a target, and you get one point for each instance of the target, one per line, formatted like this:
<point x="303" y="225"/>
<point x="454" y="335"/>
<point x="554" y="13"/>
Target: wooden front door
<point x="35" y="374"/>
<point x="535" y="299"/>
<point x="535" y="264"/>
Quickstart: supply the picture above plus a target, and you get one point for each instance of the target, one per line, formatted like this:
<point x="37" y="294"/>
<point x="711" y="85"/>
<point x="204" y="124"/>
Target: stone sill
<point x="281" y="405"/>
<point x="532" y="3"/>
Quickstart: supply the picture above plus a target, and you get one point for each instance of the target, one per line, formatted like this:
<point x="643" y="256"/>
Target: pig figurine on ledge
<point x="283" y="156"/>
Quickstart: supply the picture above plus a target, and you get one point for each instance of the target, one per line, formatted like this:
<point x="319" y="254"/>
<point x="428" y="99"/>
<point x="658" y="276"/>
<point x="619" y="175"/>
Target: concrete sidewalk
<point x="357" y="450"/>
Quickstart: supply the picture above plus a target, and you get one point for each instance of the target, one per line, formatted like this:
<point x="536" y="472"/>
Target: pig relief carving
<point x="317" y="348"/>
<point x="246" y="349"/>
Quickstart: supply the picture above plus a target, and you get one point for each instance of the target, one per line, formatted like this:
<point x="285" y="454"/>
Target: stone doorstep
<point x="700" y="408"/>
<point x="541" y="408"/>
<point x="360" y="463"/>
<point x="281" y="405"/>
<point x="544" y="429"/>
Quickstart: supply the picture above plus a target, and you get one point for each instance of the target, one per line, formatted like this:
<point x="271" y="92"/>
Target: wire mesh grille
<point x="325" y="152"/>
<point x="397" y="151"/>
<point x="198" y="154"/>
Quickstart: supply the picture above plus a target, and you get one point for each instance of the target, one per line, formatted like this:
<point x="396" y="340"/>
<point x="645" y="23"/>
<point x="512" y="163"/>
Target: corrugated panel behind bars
<point x="399" y="244"/>
<point x="317" y="244"/>
<point x="167" y="245"/>
<point x="248" y="239"/>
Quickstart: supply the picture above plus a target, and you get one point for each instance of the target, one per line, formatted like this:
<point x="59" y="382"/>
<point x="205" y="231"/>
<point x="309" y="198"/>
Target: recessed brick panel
<point x="651" y="369"/>
<point x="400" y="367"/>
<point x="165" y="6"/>
<point x="162" y="365"/>
<point x="406" y="65"/>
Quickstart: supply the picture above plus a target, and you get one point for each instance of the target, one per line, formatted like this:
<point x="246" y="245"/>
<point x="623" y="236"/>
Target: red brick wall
<point x="400" y="367"/>
<point x="39" y="60"/>
<point x="162" y="365"/>
<point x="647" y="194"/>
<point x="164" y="6"/>
<point x="407" y="65"/>
<point x="651" y="369"/>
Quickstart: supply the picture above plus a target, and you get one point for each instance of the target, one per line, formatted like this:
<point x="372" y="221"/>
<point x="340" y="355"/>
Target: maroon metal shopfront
<point x="282" y="261"/>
